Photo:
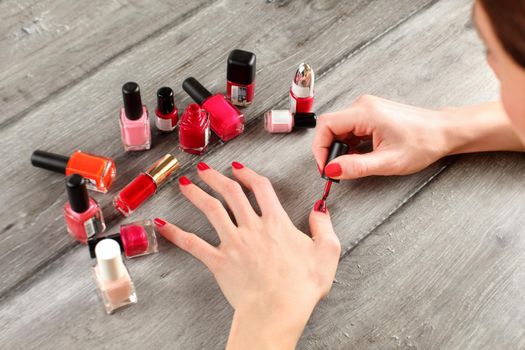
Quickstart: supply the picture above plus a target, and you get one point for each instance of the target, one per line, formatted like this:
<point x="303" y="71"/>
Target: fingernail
<point x="237" y="165"/>
<point x="202" y="166"/>
<point x="184" y="181"/>
<point x="320" y="206"/>
<point x="333" y="170"/>
<point x="159" y="222"/>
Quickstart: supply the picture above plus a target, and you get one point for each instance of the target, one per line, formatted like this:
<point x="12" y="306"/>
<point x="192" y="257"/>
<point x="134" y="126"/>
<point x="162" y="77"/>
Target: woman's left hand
<point x="271" y="273"/>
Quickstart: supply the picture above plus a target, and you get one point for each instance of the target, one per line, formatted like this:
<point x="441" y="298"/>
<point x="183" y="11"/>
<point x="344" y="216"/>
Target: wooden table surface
<point x="435" y="260"/>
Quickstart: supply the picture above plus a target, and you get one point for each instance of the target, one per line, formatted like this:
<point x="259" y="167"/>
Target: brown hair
<point x="508" y="22"/>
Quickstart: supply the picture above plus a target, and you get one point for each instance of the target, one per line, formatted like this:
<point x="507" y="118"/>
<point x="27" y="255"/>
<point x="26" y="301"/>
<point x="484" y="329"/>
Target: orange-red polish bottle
<point x="98" y="171"/>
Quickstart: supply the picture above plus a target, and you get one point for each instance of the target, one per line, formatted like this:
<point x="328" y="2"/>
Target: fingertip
<point x="184" y="181"/>
<point x="237" y="165"/>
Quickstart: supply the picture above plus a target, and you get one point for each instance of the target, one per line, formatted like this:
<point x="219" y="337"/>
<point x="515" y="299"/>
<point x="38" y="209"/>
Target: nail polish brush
<point x="336" y="149"/>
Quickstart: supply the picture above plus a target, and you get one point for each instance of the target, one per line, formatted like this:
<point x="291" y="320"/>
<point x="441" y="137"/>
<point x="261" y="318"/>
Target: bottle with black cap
<point x="283" y="121"/>
<point x="82" y="213"/>
<point x="240" y="77"/>
<point x="225" y="119"/>
<point x="166" y="112"/>
<point x="99" y="172"/>
<point x="134" y="121"/>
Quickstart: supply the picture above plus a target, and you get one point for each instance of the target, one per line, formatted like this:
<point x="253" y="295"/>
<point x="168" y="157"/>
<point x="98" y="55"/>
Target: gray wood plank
<point x="50" y="46"/>
<point x="178" y="298"/>
<point x="35" y="233"/>
<point x="444" y="272"/>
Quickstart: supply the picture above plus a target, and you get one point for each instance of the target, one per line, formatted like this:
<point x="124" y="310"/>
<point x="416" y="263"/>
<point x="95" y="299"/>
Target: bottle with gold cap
<point x="145" y="185"/>
<point x="113" y="280"/>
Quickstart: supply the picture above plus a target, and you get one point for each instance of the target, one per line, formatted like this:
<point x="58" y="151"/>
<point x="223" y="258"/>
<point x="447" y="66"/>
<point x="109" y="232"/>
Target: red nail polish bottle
<point x="225" y="119"/>
<point x="302" y="90"/>
<point x="135" y="239"/>
<point x="240" y="77"/>
<point x="283" y="121"/>
<point x="99" y="172"/>
<point x="82" y="214"/>
<point x="166" y="112"/>
<point x="194" y="130"/>
<point x="145" y="185"/>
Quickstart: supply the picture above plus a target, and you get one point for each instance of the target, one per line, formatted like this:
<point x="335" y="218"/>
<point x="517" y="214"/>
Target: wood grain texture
<point x="180" y="305"/>
<point x="33" y="232"/>
<point x="447" y="271"/>
<point x="49" y="46"/>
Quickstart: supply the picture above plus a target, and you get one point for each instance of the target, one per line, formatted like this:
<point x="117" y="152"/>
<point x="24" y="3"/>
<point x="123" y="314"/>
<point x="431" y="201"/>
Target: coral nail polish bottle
<point x="145" y="185"/>
<point x="112" y="277"/>
<point x="283" y="121"/>
<point x="194" y="130"/>
<point x="302" y="90"/>
<point x="134" y="121"/>
<point x="225" y="119"/>
<point x="135" y="239"/>
<point x="240" y="77"/>
<point x="166" y="113"/>
<point x="99" y="172"/>
<point x="82" y="214"/>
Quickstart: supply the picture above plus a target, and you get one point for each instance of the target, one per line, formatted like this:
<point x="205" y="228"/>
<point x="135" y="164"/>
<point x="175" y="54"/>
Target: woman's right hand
<point x="405" y="139"/>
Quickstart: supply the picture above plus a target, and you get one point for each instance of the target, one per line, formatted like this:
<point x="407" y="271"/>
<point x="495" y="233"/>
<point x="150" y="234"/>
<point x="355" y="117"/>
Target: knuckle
<point x="334" y="246"/>
<point x="323" y="119"/>
<point x="367" y="102"/>
<point x="232" y="187"/>
<point x="189" y="241"/>
<point x="262" y="182"/>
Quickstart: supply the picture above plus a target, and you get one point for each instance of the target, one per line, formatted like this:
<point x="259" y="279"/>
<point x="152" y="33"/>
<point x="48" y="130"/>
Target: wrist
<point x="260" y="325"/>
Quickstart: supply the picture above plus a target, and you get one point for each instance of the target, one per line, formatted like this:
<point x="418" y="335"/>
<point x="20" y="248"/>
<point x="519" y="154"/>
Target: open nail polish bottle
<point x="82" y="214"/>
<point x="194" y="130"/>
<point x="145" y="185"/>
<point x="240" y="77"/>
<point x="283" y="121"/>
<point x="98" y="171"/>
<point x="112" y="277"/>
<point x="225" y="119"/>
<point x="302" y="90"/>
<point x="166" y="114"/>
<point x="135" y="239"/>
<point x="134" y="121"/>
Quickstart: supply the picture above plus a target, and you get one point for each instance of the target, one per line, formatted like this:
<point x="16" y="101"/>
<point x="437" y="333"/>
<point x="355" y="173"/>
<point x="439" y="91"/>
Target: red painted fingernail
<point x="333" y="170"/>
<point x="202" y="166"/>
<point x="159" y="222"/>
<point x="184" y="181"/>
<point x="237" y="165"/>
<point x="320" y="206"/>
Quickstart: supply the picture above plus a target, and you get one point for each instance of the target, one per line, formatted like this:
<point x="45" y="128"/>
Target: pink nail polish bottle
<point x="134" y="120"/>
<point x="82" y="213"/>
<point x="112" y="277"/>
<point x="283" y="121"/>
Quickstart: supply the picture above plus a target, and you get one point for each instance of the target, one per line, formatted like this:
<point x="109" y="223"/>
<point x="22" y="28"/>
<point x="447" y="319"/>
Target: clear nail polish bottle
<point x="112" y="278"/>
<point x="82" y="213"/>
<point x="134" y="120"/>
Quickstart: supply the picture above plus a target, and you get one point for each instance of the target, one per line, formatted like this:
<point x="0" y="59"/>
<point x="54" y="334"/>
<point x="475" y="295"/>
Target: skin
<point x="271" y="273"/>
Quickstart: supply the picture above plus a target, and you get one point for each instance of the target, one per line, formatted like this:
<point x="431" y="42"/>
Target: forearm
<point x="479" y="129"/>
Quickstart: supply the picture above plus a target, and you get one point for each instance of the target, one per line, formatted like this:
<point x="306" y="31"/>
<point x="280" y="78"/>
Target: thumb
<point x="354" y="166"/>
<point x="321" y="228"/>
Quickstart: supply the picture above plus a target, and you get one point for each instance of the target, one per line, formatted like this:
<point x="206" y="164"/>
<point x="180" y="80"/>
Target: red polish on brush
<point x="336" y="149"/>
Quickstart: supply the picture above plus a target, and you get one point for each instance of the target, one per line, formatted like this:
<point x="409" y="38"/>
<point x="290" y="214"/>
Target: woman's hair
<point x="508" y="22"/>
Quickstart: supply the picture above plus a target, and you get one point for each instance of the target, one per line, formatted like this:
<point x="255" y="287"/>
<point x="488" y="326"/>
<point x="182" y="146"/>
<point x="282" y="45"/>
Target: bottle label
<point x="164" y="124"/>
<point x="93" y="225"/>
<point x="239" y="94"/>
<point x="281" y="117"/>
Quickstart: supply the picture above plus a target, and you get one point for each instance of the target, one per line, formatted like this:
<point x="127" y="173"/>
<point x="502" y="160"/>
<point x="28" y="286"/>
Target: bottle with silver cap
<point x="112" y="277"/>
<point x="302" y="90"/>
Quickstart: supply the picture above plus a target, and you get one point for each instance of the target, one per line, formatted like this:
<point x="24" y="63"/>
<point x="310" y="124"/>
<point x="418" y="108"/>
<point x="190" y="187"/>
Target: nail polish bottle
<point x="145" y="185"/>
<point x="98" y="171"/>
<point x="112" y="277"/>
<point x="134" y="120"/>
<point x="166" y="112"/>
<point x="194" y="130"/>
<point x="225" y="119"/>
<point x="82" y="214"/>
<point x="135" y="239"/>
<point x="302" y="90"/>
<point x="283" y="121"/>
<point x="240" y="77"/>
